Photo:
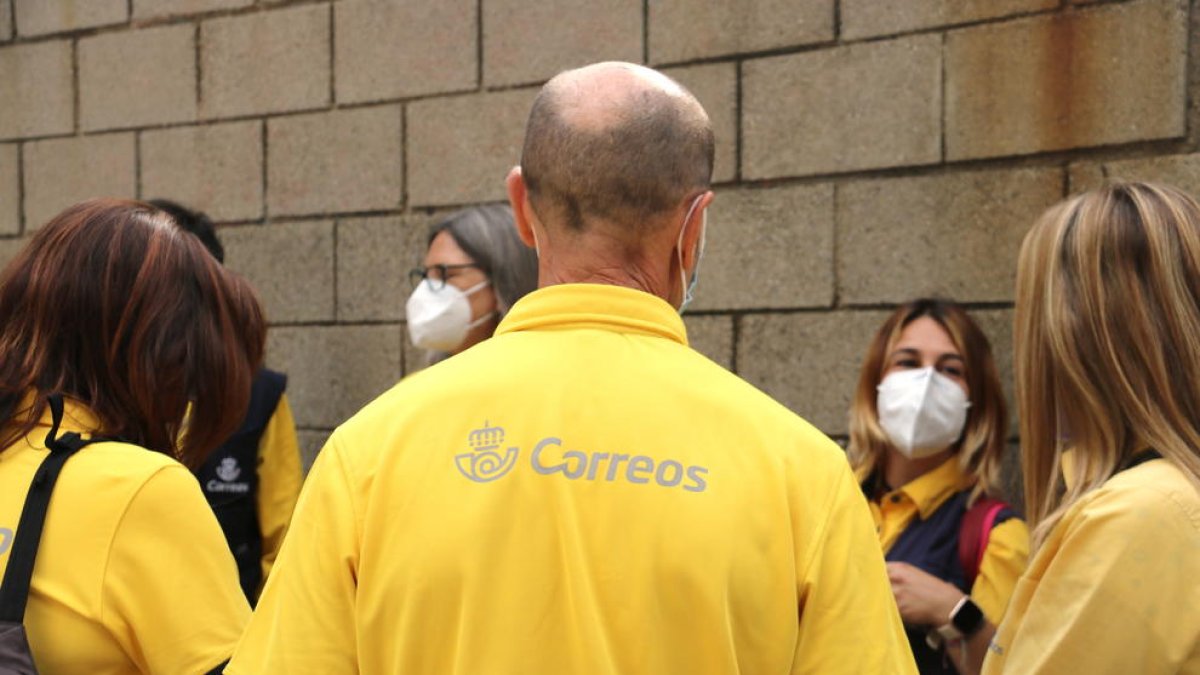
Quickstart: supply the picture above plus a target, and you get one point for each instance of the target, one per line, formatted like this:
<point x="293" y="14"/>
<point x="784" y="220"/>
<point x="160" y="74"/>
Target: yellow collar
<point x="932" y="490"/>
<point x="604" y="307"/>
<point x="77" y="417"/>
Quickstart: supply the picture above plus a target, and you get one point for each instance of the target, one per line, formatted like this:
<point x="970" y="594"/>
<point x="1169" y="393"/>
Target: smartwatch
<point x="965" y="620"/>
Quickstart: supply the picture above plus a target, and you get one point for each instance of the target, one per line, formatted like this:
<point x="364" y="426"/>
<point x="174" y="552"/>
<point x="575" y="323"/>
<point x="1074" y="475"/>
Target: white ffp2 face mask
<point x="440" y="320"/>
<point x="922" y="411"/>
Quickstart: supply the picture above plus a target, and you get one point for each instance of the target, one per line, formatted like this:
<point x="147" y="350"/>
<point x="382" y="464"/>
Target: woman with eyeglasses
<point x="475" y="269"/>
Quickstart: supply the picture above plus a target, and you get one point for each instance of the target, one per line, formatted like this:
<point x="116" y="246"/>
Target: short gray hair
<point x="487" y="234"/>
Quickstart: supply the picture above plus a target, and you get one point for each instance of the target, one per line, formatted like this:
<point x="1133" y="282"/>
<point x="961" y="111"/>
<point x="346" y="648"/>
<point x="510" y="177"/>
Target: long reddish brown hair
<point x="114" y="306"/>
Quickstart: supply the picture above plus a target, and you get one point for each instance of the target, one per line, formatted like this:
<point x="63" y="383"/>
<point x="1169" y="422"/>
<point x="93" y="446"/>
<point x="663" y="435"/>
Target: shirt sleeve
<point x="1119" y="595"/>
<point x="171" y="596"/>
<point x="305" y="619"/>
<point x="1004" y="562"/>
<point x="849" y="622"/>
<point x="279" y="480"/>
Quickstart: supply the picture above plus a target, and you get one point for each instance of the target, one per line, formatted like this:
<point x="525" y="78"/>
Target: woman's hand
<point x="923" y="599"/>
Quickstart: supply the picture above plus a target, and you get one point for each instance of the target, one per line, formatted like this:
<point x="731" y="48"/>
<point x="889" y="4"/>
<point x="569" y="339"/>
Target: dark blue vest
<point x="230" y="480"/>
<point x="931" y="545"/>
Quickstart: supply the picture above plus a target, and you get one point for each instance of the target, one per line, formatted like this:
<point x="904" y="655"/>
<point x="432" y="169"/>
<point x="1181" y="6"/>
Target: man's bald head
<point x="614" y="142"/>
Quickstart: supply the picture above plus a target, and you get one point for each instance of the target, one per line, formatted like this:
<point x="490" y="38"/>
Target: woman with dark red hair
<point x="112" y="323"/>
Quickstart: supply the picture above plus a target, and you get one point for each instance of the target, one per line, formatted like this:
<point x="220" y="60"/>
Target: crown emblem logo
<point x="486" y="461"/>
<point x="228" y="470"/>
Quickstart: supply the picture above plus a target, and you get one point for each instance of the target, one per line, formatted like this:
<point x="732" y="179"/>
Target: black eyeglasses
<point x="436" y="274"/>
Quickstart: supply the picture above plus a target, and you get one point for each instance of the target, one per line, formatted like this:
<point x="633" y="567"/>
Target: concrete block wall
<point x="868" y="151"/>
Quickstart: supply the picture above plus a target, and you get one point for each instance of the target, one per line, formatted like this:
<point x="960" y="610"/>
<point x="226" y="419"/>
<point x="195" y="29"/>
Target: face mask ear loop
<point x="471" y="291"/>
<point x="684" y="285"/>
<point x="474" y="289"/>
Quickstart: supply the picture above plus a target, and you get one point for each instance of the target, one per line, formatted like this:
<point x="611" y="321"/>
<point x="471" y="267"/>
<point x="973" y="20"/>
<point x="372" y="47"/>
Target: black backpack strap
<point x="14" y="591"/>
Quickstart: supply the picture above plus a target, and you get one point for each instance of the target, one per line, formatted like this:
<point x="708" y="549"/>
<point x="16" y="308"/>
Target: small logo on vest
<point x="485" y="463"/>
<point x="228" y="470"/>
<point x="6" y="539"/>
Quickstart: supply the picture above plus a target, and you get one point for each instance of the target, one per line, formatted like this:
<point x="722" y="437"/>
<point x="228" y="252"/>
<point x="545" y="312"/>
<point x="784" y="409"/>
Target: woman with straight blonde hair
<point x="1108" y="387"/>
<point x="927" y="438"/>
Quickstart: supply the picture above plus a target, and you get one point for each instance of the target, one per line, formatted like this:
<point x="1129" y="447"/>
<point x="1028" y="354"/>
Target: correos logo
<point x="486" y="463"/>
<point x="548" y="459"/>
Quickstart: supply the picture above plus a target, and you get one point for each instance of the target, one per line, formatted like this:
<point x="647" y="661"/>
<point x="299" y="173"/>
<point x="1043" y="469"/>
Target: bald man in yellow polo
<point x="583" y="493"/>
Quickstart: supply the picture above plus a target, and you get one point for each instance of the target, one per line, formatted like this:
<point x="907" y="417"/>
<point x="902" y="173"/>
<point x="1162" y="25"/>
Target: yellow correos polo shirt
<point x="133" y="574"/>
<point x="1115" y="589"/>
<point x="580" y="494"/>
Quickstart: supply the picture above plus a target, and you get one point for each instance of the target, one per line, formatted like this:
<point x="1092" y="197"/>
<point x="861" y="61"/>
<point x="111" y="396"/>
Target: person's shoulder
<point x="107" y="476"/>
<point x="120" y="459"/>
<point x="1153" y="499"/>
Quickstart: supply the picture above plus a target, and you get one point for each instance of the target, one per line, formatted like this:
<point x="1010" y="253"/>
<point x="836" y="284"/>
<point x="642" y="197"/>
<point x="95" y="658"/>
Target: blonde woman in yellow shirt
<point x="1108" y="374"/>
<point x="927" y="437"/>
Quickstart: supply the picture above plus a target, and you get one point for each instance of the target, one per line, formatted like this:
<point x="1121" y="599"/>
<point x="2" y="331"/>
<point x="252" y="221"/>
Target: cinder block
<point x="682" y="30"/>
<point x="311" y="442"/>
<point x="801" y="115"/>
<point x="137" y="78"/>
<point x="953" y="235"/>
<point x="333" y="371"/>
<point x="39" y="76"/>
<point x="1113" y="74"/>
<point x="527" y="42"/>
<point x="150" y="9"/>
<point x="712" y="336"/>
<point x="10" y="190"/>
<point x="395" y="48"/>
<point x="715" y="86"/>
<point x="997" y="324"/>
<point x="274" y="61"/>
<point x="808" y="361"/>
<point x="868" y="18"/>
<point x="374" y="256"/>
<point x="768" y="248"/>
<point x="345" y="160"/>
<point x="1181" y="171"/>
<point x="460" y="149"/>
<point x="290" y="265"/>
<point x="414" y="359"/>
<point x="6" y="27"/>
<point x="215" y="168"/>
<point x="41" y="17"/>
<point x="64" y="171"/>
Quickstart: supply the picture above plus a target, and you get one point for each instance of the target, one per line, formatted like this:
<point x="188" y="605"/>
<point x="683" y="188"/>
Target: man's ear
<point x="693" y="228"/>
<point x="518" y="198"/>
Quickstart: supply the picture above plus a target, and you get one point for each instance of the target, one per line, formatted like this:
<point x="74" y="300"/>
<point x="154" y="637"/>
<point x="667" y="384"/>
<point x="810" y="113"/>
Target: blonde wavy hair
<point x="1107" y="339"/>
<point x="981" y="449"/>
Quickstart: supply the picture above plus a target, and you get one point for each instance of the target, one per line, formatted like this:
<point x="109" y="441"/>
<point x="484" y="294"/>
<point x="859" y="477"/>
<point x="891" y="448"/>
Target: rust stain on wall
<point x="1060" y="82"/>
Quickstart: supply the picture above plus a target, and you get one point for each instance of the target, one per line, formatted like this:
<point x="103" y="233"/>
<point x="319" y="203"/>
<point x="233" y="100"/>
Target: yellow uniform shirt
<point x="132" y="574"/>
<point x="580" y="494"/>
<point x="1007" y="550"/>
<point x="279" y="480"/>
<point x="1115" y="589"/>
